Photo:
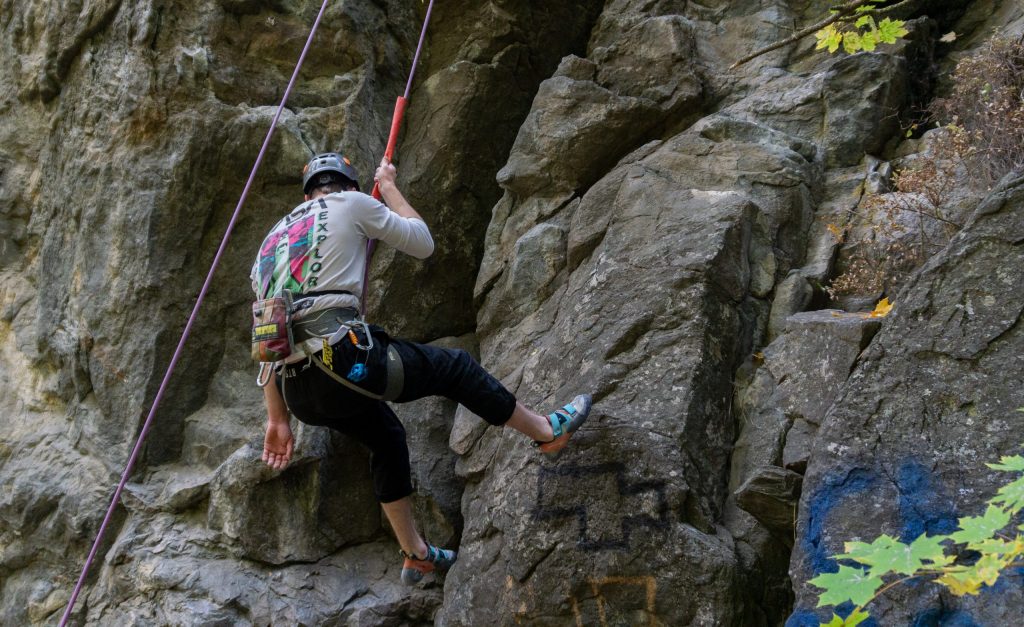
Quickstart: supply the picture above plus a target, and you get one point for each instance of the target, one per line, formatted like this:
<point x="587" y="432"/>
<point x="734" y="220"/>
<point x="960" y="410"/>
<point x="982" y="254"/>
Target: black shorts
<point x="316" y="399"/>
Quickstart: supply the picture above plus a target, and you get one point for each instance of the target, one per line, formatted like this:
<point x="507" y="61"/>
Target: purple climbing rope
<point x="419" y="48"/>
<point x="188" y="327"/>
<point x="395" y="123"/>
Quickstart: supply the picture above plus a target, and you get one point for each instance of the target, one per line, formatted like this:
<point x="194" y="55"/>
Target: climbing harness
<point x="395" y="376"/>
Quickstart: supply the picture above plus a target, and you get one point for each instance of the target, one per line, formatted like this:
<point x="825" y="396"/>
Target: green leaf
<point x="998" y="546"/>
<point x="869" y="40"/>
<point x="856" y="617"/>
<point x="822" y="37"/>
<point x="849" y="584"/>
<point x="978" y="528"/>
<point x="930" y="548"/>
<point x="1011" y="496"/>
<point x="829" y="37"/>
<point x="851" y="42"/>
<point x="960" y="583"/>
<point x="1015" y="463"/>
<point x="891" y="30"/>
<point x="886" y="554"/>
<point x="865" y="20"/>
<point x="833" y="44"/>
<point x="989" y="567"/>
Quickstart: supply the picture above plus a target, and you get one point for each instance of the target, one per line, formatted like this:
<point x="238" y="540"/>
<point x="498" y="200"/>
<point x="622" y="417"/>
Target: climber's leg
<point x="530" y="423"/>
<point x="453" y="373"/>
<point x="400" y="516"/>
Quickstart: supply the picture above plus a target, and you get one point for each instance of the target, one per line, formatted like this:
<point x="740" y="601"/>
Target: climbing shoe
<point x="436" y="560"/>
<point x="564" y="422"/>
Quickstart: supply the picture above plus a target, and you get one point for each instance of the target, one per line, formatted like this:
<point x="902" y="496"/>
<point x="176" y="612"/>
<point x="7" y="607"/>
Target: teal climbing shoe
<point x="565" y="422"/>
<point x="436" y="559"/>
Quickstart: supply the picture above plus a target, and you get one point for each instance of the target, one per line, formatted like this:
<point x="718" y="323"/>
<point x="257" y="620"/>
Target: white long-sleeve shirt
<point x="321" y="245"/>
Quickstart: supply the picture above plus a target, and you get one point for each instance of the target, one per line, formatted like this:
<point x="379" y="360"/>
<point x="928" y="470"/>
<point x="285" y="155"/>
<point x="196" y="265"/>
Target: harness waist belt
<point x="392" y="390"/>
<point x="322" y="323"/>
<point x="396" y="376"/>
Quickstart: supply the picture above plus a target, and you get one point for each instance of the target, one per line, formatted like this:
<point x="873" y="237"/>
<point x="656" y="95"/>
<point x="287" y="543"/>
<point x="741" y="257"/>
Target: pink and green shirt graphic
<point x="321" y="245"/>
<point x="285" y="262"/>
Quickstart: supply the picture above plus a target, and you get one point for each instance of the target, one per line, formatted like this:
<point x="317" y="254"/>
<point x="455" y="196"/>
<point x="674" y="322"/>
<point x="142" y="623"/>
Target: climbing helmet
<point x="320" y="168"/>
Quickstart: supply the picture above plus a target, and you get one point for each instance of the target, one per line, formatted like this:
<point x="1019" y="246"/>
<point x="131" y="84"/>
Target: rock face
<point x="615" y="211"/>
<point x="931" y="401"/>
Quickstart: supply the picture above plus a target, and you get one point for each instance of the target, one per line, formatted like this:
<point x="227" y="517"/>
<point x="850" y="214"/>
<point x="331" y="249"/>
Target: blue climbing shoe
<point x="564" y="422"/>
<point x="436" y="560"/>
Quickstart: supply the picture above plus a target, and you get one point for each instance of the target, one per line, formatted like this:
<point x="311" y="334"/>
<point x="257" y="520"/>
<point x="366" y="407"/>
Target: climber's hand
<point x="386" y="173"/>
<point x="277" y="445"/>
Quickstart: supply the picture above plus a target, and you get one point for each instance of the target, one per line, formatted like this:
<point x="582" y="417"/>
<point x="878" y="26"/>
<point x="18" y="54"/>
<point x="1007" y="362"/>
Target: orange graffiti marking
<point x="647" y="583"/>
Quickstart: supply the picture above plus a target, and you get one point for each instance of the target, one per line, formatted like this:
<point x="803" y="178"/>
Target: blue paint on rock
<point x="803" y="618"/>
<point x="938" y="617"/>
<point x="1011" y="579"/>
<point x="924" y="508"/>
<point x="808" y="618"/>
<point x="836" y="487"/>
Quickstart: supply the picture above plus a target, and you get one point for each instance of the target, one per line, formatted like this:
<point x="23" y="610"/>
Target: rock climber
<point x="343" y="369"/>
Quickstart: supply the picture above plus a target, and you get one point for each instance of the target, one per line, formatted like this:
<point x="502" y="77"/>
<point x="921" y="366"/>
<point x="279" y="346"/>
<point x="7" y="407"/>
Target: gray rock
<point x="320" y="503"/>
<point x="815" y="357"/>
<point x="701" y="228"/>
<point x="786" y="398"/>
<point x="792" y="295"/>
<point x="931" y="401"/>
<point x="877" y="83"/>
<point x="651" y="208"/>
<point x="771" y="495"/>
<point x="799" y="440"/>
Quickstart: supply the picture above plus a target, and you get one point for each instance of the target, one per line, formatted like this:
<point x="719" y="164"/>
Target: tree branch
<point x="843" y="13"/>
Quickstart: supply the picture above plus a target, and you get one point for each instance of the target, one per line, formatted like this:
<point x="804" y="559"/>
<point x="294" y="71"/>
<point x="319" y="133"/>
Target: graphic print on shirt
<point x="288" y="257"/>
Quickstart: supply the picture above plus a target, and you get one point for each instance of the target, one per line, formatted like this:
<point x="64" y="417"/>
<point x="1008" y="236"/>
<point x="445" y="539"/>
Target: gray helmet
<point x="328" y="167"/>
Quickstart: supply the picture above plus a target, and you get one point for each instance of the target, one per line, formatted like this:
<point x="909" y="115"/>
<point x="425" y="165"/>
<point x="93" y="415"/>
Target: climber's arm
<point x="393" y="198"/>
<point x="278" y="442"/>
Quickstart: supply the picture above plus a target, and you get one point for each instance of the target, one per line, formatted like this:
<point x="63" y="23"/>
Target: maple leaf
<point x="1011" y="496"/>
<point x="930" y="548"/>
<point x="856" y="617"/>
<point x="823" y="37"/>
<point x="849" y="584"/>
<point x="881" y="309"/>
<point x="978" y="528"/>
<point x="1010" y="549"/>
<point x="986" y="569"/>
<point x="959" y="585"/>
<point x="886" y="554"/>
<point x="890" y="30"/>
<point x="851" y="42"/>
<point x="1015" y="463"/>
<point x="869" y="40"/>
<point x="829" y="37"/>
